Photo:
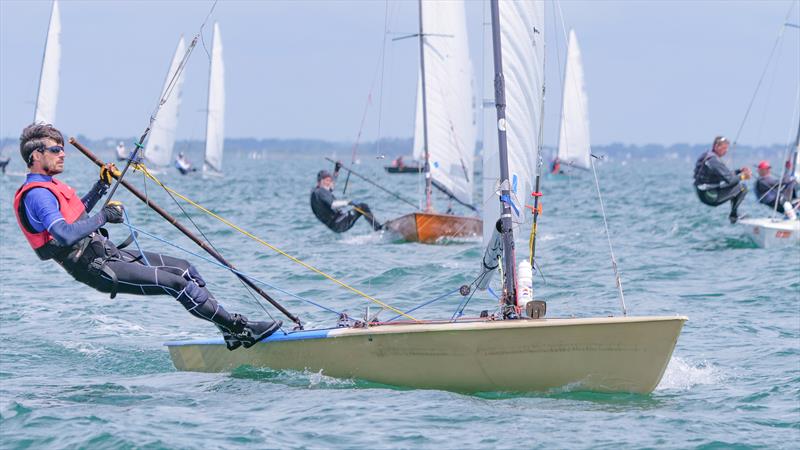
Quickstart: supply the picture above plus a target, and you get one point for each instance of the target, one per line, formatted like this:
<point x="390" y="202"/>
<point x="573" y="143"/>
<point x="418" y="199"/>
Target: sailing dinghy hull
<point x="614" y="354"/>
<point x="430" y="227"/>
<point x="769" y="233"/>
<point x="404" y="169"/>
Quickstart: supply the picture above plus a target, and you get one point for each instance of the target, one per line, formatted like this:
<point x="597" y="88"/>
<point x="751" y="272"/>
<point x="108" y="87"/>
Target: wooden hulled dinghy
<point x="429" y="228"/>
<point x="404" y="169"/>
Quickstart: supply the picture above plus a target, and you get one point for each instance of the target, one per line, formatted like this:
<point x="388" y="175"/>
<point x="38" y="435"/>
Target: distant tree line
<point x="392" y="147"/>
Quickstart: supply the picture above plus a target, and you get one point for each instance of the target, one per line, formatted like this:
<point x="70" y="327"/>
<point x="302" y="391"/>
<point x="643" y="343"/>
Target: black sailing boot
<point x="236" y="329"/>
<point x="247" y="333"/>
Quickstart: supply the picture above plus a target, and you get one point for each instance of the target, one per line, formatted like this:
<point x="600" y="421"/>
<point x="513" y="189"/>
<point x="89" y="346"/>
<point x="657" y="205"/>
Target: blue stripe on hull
<point x="277" y="337"/>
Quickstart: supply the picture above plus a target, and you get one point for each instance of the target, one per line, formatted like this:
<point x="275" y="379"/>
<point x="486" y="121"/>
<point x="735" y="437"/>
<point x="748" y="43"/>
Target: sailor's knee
<point x="192" y="274"/>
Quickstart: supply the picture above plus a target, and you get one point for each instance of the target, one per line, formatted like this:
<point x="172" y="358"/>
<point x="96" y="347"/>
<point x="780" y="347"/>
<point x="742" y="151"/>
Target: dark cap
<point x="322" y="174"/>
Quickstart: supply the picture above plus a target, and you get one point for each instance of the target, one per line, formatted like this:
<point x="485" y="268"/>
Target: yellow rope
<point x="147" y="173"/>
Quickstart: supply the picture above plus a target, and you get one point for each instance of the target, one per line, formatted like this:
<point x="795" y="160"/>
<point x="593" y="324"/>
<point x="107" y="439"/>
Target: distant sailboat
<point x="215" y="121"/>
<point x="445" y="132"/>
<point x="574" y="147"/>
<point x="778" y="231"/>
<point x="47" y="97"/>
<point x="158" y="150"/>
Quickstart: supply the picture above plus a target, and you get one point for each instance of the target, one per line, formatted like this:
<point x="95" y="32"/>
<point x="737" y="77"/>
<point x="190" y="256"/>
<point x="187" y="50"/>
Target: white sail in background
<point x="215" y="124"/>
<point x="47" y="98"/>
<point x="158" y="149"/>
<point x="449" y="98"/>
<point x="573" y="140"/>
<point x="522" y="40"/>
<point x="418" y="149"/>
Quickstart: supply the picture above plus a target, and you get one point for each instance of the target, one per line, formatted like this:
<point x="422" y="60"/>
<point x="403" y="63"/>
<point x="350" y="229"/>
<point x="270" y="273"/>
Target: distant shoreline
<point x="392" y="147"/>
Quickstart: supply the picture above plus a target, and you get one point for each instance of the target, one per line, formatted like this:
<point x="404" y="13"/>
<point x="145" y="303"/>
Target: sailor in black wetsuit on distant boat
<point x="55" y="222"/>
<point x="772" y="192"/>
<point x="715" y="183"/>
<point x="331" y="211"/>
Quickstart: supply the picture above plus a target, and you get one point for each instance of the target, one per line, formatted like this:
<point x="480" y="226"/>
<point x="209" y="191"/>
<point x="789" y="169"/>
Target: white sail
<point x="215" y="124"/>
<point x="573" y="140"/>
<point x="418" y="149"/>
<point x="522" y="46"/>
<point x="158" y="150"/>
<point x="449" y="98"/>
<point x="47" y="97"/>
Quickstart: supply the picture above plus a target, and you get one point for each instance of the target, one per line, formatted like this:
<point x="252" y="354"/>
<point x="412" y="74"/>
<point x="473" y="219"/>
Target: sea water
<point x="80" y="370"/>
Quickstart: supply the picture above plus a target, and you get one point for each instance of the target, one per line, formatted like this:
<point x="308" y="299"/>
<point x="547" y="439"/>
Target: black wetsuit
<point x="334" y="218"/>
<point x="85" y="252"/>
<point x="767" y="191"/>
<point x="716" y="184"/>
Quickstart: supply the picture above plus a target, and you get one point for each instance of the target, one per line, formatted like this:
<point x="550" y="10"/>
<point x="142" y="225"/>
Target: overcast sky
<point x="656" y="71"/>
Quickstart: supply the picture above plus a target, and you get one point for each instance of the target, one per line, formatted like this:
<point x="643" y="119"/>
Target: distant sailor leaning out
<point x="715" y="183"/>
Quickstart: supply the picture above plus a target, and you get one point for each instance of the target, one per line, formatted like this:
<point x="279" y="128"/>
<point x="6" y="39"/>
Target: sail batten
<point x="158" y="149"/>
<point x="522" y="41"/>
<point x="47" y="96"/>
<point x="573" y="141"/>
<point x="449" y="99"/>
<point x="215" y="124"/>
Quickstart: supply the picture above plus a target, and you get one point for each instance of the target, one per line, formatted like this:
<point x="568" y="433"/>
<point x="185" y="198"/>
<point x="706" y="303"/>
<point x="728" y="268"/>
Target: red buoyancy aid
<point x="69" y="204"/>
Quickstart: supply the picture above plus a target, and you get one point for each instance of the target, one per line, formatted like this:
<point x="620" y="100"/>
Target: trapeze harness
<point x="75" y="259"/>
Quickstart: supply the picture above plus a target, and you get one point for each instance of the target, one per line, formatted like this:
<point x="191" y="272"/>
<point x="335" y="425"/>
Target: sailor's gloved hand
<point x="114" y="212"/>
<point x="745" y="173"/>
<point x="106" y="173"/>
<point x="337" y="166"/>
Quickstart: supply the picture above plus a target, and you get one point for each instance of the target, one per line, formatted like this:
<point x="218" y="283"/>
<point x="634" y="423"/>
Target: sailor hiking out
<point x="183" y="164"/>
<point x="715" y="183"/>
<point x="332" y="212"/>
<point x="56" y="223"/>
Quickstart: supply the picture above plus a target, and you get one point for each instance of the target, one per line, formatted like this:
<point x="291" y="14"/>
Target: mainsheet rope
<point x="141" y="167"/>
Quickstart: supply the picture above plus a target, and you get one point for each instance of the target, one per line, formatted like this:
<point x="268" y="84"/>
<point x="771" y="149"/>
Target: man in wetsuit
<point x="55" y="222"/>
<point x="767" y="187"/>
<point x="715" y="183"/>
<point x="330" y="211"/>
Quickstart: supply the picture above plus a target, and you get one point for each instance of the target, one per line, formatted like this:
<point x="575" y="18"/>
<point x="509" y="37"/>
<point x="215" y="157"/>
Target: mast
<point x="428" y="181"/>
<point x="507" y="234"/>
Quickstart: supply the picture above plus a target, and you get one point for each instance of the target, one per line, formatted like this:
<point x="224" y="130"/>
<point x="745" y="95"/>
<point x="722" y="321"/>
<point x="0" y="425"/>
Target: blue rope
<point x="492" y="292"/>
<point x="424" y="304"/>
<point x="217" y="263"/>
<point x="133" y="233"/>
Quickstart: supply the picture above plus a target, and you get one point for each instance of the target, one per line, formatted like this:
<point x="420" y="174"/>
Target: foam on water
<point x="681" y="375"/>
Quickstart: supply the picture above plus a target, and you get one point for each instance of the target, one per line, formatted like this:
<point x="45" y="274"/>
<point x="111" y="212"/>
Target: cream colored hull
<point x="626" y="354"/>
<point x="768" y="233"/>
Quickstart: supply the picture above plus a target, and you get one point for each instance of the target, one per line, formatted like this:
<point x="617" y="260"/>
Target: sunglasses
<point x="55" y="149"/>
